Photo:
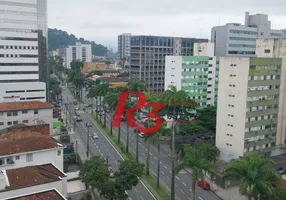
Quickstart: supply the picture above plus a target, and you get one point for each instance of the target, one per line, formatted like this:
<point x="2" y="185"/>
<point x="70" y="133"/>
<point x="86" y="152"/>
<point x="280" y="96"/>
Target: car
<point x="85" y="105"/>
<point x="282" y="170"/>
<point x="74" y="103"/>
<point x="89" y="105"/>
<point x="88" y="124"/>
<point x="78" y="119"/>
<point x="123" y="119"/>
<point x="205" y="185"/>
<point x="111" y="174"/>
<point x="95" y="136"/>
<point x="141" y="135"/>
<point x="102" y="113"/>
<point x="76" y="108"/>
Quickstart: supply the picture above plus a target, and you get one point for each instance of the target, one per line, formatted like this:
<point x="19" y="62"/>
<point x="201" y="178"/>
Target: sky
<point x="103" y="20"/>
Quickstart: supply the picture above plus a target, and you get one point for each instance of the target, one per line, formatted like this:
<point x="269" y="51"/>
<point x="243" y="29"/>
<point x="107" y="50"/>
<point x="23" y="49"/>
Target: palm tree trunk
<point x="127" y="142"/>
<point x="119" y="133"/>
<point x="100" y="109"/>
<point x="137" y="142"/>
<point x="111" y="122"/>
<point x="173" y="164"/>
<point x="105" y="114"/>
<point x="148" y="159"/>
<point x="193" y="189"/>
<point x="158" y="165"/>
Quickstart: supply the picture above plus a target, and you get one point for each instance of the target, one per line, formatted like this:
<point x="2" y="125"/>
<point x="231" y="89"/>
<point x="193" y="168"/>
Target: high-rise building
<point x="248" y="108"/>
<point x="197" y="75"/>
<point x="234" y="39"/>
<point x="78" y="51"/>
<point x="124" y="41"/>
<point x="23" y="50"/>
<point x="147" y="57"/>
<point x="276" y="48"/>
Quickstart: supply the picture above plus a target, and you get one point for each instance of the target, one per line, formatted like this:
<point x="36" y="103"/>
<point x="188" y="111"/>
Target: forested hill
<point x="59" y="38"/>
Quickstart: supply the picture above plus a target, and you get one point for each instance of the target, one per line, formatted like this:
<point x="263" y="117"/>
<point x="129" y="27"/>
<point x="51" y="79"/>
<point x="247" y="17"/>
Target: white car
<point x="141" y="135"/>
<point x="95" y="136"/>
<point x="76" y="108"/>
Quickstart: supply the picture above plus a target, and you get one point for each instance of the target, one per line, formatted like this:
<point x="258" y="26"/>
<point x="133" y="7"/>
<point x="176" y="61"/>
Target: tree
<point x="102" y="90"/>
<point x="156" y="139"/>
<point x="212" y="153"/>
<point x="173" y="98"/>
<point x="55" y="89"/>
<point x="76" y="77"/>
<point x="111" y="99"/>
<point x="94" y="172"/>
<point x="255" y="174"/>
<point x="97" y="72"/>
<point x="129" y="173"/>
<point x="194" y="159"/>
<point x="191" y="129"/>
<point x="207" y="118"/>
<point x="136" y="85"/>
<point x="124" y="74"/>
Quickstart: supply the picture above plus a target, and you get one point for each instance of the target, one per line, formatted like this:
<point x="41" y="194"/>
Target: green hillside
<point x="59" y="38"/>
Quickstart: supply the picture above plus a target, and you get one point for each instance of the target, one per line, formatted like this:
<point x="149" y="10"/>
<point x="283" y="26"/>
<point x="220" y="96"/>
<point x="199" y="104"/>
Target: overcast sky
<point x="103" y="20"/>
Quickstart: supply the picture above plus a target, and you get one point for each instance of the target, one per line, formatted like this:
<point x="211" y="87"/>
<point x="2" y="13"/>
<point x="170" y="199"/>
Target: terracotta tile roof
<point x="47" y="195"/>
<point x="33" y="175"/>
<point x="114" y="79"/>
<point x="25" y="105"/>
<point x="25" y="141"/>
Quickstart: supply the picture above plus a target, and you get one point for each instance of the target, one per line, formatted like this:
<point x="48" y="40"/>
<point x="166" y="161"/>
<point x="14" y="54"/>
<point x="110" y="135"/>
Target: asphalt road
<point x="103" y="147"/>
<point x="183" y="179"/>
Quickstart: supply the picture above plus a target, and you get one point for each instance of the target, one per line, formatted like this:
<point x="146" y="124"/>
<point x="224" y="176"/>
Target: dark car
<point x="78" y="119"/>
<point x="74" y="103"/>
<point x="282" y="170"/>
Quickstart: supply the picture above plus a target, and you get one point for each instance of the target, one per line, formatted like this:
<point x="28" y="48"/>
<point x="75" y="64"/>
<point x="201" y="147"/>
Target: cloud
<point x="104" y="20"/>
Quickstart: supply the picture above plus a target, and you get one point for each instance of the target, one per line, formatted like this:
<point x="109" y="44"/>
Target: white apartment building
<point x="19" y="50"/>
<point x="78" y="51"/>
<point x="27" y="113"/>
<point x="32" y="179"/>
<point x="234" y="39"/>
<point x="28" y="148"/>
<point x="124" y="42"/>
<point x="276" y="48"/>
<point x="43" y="195"/>
<point x="197" y="75"/>
<point x="248" y="108"/>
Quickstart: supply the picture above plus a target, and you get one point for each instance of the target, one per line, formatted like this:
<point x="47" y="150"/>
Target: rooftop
<point x="25" y="141"/>
<point x="45" y="195"/>
<point x="25" y="105"/>
<point x="32" y="175"/>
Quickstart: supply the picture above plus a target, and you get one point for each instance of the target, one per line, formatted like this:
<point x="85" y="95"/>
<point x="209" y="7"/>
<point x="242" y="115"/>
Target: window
<point x="9" y="160"/>
<point x="15" y="113"/>
<point x="36" y="112"/>
<point x="17" y="157"/>
<point x="25" y="121"/>
<point x="1" y="123"/>
<point x="9" y="123"/>
<point x="9" y="114"/>
<point x="29" y="157"/>
<point x="24" y="111"/>
<point x="59" y="152"/>
<point x="1" y="113"/>
<point x="2" y="161"/>
<point x="15" y="122"/>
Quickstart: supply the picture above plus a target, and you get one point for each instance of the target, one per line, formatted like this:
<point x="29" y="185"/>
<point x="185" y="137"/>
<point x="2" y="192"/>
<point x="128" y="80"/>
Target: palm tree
<point x="111" y="99"/>
<point x="255" y="174"/>
<point x="102" y="90"/>
<point x="173" y="98"/>
<point x="136" y="85"/>
<point x="156" y="139"/>
<point x="195" y="160"/>
<point x="150" y="98"/>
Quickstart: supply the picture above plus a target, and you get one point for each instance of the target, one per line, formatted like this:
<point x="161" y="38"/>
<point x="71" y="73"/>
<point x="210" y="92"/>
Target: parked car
<point x="85" y="105"/>
<point x="141" y="135"/>
<point x="95" y="136"/>
<point x="111" y="174"/>
<point x="78" y="119"/>
<point x="74" y="103"/>
<point x="76" y="108"/>
<point x="205" y="185"/>
<point x="282" y="170"/>
<point x="88" y="124"/>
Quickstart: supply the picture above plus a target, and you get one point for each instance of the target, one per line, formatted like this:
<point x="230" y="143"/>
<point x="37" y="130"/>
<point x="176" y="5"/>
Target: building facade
<point x="78" y="51"/>
<point x="32" y="179"/>
<point x="276" y="48"/>
<point x="22" y="60"/>
<point x="124" y="42"/>
<point x="147" y="57"/>
<point x="248" y="106"/>
<point x="27" y="113"/>
<point x="234" y="39"/>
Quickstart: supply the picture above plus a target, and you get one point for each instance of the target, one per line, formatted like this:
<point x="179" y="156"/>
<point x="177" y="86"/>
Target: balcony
<point x="262" y="112"/>
<point x="262" y="102"/>
<point x="264" y="151"/>
<point x="260" y="123"/>
<point x="259" y="142"/>
<point x="264" y="72"/>
<point x="263" y="82"/>
<point x="261" y="132"/>
<point x="262" y="93"/>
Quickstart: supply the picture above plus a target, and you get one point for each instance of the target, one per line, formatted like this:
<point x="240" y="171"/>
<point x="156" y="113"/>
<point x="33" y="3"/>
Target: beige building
<point x="249" y="97"/>
<point x="276" y="48"/>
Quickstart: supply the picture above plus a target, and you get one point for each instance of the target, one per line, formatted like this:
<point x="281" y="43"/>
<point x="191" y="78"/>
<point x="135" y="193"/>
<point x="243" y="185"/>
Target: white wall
<point x="23" y="90"/>
<point x="39" y="158"/>
<point x="238" y="111"/>
<point x="61" y="186"/>
<point x="45" y="115"/>
<point x="204" y="49"/>
<point x="173" y="71"/>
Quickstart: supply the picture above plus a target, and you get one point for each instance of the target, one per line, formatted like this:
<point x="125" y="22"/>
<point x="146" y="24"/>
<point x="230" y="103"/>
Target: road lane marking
<point x="184" y="184"/>
<point x="151" y="154"/>
<point x="177" y="178"/>
<point x="200" y="198"/>
<point x="168" y="178"/>
<point x="190" y="189"/>
<point x="155" y="158"/>
<point x="182" y="191"/>
<point x="136" y="190"/>
<point x="141" y="198"/>
<point x="165" y="167"/>
<point x="162" y="172"/>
